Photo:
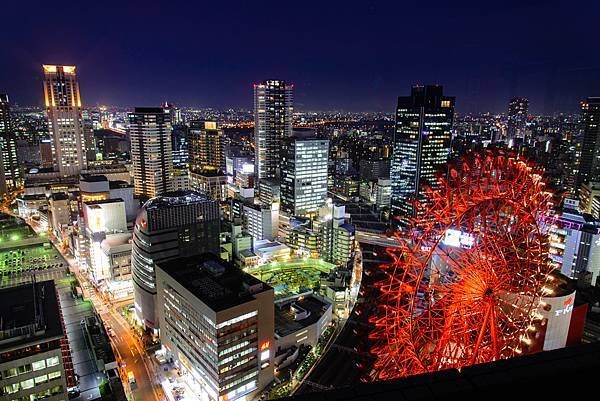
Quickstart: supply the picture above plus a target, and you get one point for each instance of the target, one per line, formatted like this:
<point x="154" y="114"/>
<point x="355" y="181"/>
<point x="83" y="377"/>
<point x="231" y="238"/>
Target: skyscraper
<point x="65" y="121"/>
<point x="151" y="151"/>
<point x="10" y="173"/>
<point x="589" y="167"/>
<point x="273" y="109"/>
<point x="518" y="107"/>
<point x="181" y="223"/>
<point x="303" y="175"/>
<point x="421" y="146"/>
<point x="206" y="143"/>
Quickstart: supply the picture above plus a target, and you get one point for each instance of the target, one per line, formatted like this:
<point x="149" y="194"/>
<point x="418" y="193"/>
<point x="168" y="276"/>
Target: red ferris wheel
<point x="465" y="285"/>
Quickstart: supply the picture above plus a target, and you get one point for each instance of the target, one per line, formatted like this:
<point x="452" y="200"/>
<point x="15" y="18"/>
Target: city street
<point x="127" y="346"/>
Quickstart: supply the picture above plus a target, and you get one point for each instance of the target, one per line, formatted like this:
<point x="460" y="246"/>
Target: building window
<point x="54" y="375"/>
<point x="41" y="379"/>
<point x="39" y="365"/>
<point x="26" y="384"/>
<point x="53" y="361"/>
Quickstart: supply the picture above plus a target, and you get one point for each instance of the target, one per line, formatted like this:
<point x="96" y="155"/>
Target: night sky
<point x="354" y="55"/>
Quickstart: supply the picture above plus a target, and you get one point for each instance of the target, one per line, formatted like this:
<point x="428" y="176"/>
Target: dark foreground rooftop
<point x="29" y="314"/>
<point x="568" y="373"/>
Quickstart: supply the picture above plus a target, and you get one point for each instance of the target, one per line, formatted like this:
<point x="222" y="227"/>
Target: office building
<point x="261" y="221"/>
<point x="174" y="113"/>
<point x="273" y="112"/>
<point x="337" y="236"/>
<point x="374" y="168"/>
<point x="182" y="223"/>
<point x="518" y="107"/>
<point x="303" y="175"/>
<point x="179" y="146"/>
<point x="269" y="192"/>
<point x="206" y="142"/>
<point x="421" y="146"/>
<point x="35" y="360"/>
<point x="589" y="165"/>
<point x="10" y="172"/>
<point x="383" y="193"/>
<point x="218" y="323"/>
<point x="65" y="121"/>
<point x="151" y="152"/>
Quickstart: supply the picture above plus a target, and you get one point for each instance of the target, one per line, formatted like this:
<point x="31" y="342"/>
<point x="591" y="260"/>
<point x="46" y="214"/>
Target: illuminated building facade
<point x="589" y="167"/>
<point x="575" y="242"/>
<point x="421" y="146"/>
<point x="176" y="224"/>
<point x="206" y="146"/>
<point x="151" y="152"/>
<point x="65" y="121"/>
<point x="518" y="107"/>
<point x="273" y="112"/>
<point x="303" y="175"/>
<point x="35" y="359"/>
<point x="10" y="173"/>
<point x="218" y="322"/>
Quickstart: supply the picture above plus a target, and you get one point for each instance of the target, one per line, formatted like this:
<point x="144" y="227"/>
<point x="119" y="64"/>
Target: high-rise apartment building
<point x="273" y="112"/>
<point x="179" y="146"/>
<point x="176" y="224"/>
<point x="589" y="166"/>
<point x="518" y="107"/>
<point x="151" y="151"/>
<point x="206" y="144"/>
<point x="65" y="121"/>
<point x="10" y="172"/>
<point x="218" y="323"/>
<point x="303" y="175"/>
<point x="35" y="360"/>
<point x="421" y="146"/>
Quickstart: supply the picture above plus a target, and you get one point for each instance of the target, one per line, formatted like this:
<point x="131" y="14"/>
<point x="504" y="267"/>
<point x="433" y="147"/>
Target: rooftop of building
<point x="30" y="197"/>
<point x="119" y="184"/>
<point x="116" y="242"/>
<point x="177" y="198"/>
<point x="93" y="178"/>
<point x="285" y="315"/>
<point x="104" y="201"/>
<point x="267" y="245"/>
<point x="29" y="314"/>
<point x="58" y="196"/>
<point x="217" y="283"/>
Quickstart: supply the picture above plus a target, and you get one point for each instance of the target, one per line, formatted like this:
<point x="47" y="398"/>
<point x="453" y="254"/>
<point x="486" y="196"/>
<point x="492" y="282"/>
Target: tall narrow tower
<point x="421" y="146"/>
<point x="273" y="109"/>
<point x="10" y="173"/>
<point x="151" y="151"/>
<point x="65" y="122"/>
<point x="589" y="167"/>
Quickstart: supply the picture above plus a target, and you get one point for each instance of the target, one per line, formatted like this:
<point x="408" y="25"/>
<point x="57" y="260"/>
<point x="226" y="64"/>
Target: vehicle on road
<point x="131" y="380"/>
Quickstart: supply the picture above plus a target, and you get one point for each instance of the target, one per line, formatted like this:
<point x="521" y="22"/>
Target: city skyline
<point x="481" y="59"/>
